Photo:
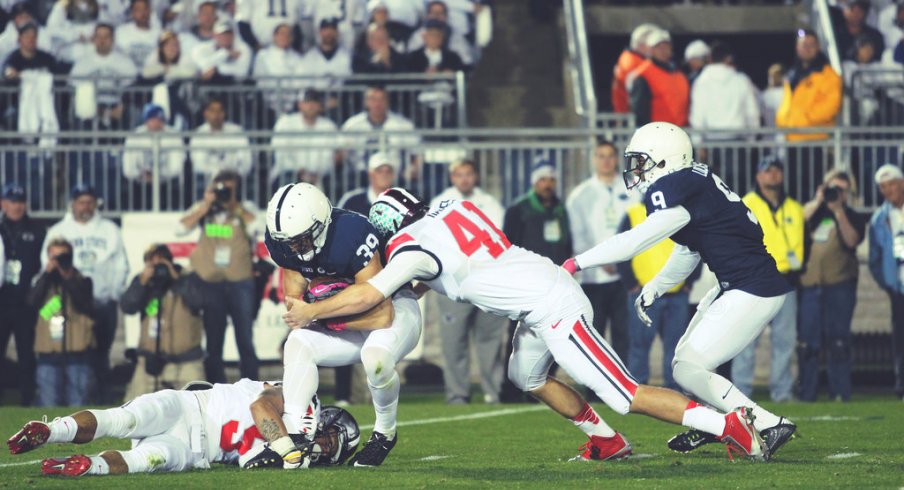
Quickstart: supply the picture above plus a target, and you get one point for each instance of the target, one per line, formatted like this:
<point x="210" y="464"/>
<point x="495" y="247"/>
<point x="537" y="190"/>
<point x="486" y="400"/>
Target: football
<point x="321" y="288"/>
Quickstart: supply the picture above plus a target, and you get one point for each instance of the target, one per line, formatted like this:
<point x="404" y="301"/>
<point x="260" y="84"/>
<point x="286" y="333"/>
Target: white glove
<point x="708" y="298"/>
<point x="644" y="301"/>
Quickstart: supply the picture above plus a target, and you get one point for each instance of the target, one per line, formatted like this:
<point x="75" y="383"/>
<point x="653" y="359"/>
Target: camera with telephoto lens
<point x="161" y="277"/>
<point x="831" y="193"/>
<point x="64" y="260"/>
<point x="223" y="196"/>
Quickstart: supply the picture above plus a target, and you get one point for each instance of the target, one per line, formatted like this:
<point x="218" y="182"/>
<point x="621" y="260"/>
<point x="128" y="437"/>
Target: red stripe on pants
<point x="610" y="366"/>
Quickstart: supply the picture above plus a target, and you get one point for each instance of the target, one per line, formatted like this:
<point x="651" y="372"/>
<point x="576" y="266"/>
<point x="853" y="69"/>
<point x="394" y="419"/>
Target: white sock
<point x="99" y="466"/>
<point x="300" y="382"/>
<point x="698" y="417"/>
<point x="720" y="393"/>
<point x="62" y="429"/>
<point x="386" y="405"/>
<point x="591" y="423"/>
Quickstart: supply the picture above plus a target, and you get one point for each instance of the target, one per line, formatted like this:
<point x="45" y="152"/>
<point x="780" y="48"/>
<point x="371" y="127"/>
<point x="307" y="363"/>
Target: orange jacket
<point x="815" y="101"/>
<point x="669" y="94"/>
<point x="627" y="62"/>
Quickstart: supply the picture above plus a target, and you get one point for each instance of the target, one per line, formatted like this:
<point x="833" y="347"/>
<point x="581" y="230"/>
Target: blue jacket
<point x="882" y="262"/>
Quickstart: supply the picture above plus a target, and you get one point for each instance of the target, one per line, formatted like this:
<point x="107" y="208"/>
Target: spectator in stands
<point x="398" y="32"/>
<point x="168" y="61"/>
<point x="829" y="286"/>
<point x="659" y="90"/>
<point x="278" y="60"/>
<point x="138" y="38"/>
<point x="454" y="38"/>
<point x="459" y="321"/>
<point x="886" y="257"/>
<point x="225" y="61"/>
<point x="382" y="170"/>
<point x="349" y="17"/>
<point x="782" y="221"/>
<point x="771" y="97"/>
<point x="538" y="221"/>
<point x="201" y="32"/>
<point x="258" y="20"/>
<point x="99" y="254"/>
<point x="218" y="145"/>
<point x="314" y="156"/>
<point x="405" y="12"/>
<point x="222" y="259"/>
<point x="328" y="61"/>
<point x="27" y="56"/>
<point x="696" y="57"/>
<point x="109" y="71"/>
<point x="379" y="57"/>
<point x="630" y="58"/>
<point x="890" y="24"/>
<point x="853" y="26"/>
<point x="366" y="126"/>
<point x="19" y="16"/>
<point x="669" y="314"/>
<point x="812" y="90"/>
<point x="434" y="57"/>
<point x="21" y="238"/>
<point x="169" y="300"/>
<point x="138" y="156"/>
<point x="596" y="207"/>
<point x="72" y="24"/>
<point x="63" y="332"/>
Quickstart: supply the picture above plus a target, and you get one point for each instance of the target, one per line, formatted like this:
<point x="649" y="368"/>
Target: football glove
<point x="644" y="301"/>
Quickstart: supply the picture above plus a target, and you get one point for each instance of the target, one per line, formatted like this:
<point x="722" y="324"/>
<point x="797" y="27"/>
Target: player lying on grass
<point x="455" y="250"/>
<point x="313" y="242"/>
<point x="191" y="429"/>
<point x="690" y="204"/>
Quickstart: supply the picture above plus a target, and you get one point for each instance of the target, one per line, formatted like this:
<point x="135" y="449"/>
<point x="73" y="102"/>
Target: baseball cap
<point x="82" y="190"/>
<point x="151" y="111"/>
<point x="13" y="192"/>
<point x="696" y="49"/>
<point x="329" y="22"/>
<point x="640" y="33"/>
<point x="888" y="172"/>
<point x="222" y="26"/>
<point x="769" y="162"/>
<point x="380" y="158"/>
<point x="658" y="36"/>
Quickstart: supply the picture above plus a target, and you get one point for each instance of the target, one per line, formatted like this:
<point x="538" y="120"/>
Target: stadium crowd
<point x="63" y="288"/>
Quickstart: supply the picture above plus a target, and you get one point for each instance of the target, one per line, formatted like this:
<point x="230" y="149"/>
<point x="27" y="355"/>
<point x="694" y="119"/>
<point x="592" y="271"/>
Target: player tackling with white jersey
<point x="180" y="430"/>
<point x="454" y="249"/>
<point x="690" y="204"/>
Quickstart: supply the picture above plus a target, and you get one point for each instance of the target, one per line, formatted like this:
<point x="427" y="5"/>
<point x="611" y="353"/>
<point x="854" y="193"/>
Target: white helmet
<point x="656" y="150"/>
<point x="299" y="214"/>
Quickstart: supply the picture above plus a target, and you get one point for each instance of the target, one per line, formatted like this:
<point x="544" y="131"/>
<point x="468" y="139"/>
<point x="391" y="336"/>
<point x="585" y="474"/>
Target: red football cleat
<point x="34" y="434"/>
<point x="76" y="465"/>
<point x="604" y="449"/>
<point x="741" y="436"/>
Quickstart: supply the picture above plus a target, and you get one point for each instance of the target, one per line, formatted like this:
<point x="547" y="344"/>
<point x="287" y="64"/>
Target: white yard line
<point x="470" y="416"/>
<point x="642" y="456"/>
<point x="434" y="458"/>
<point x="843" y="455"/>
<point x="829" y="418"/>
<point x="23" y="463"/>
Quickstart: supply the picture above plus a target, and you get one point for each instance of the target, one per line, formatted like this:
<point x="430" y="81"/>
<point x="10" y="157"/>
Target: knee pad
<point x="684" y="372"/>
<point x="839" y="350"/>
<point x="522" y="378"/>
<point x="379" y="365"/>
<point x="298" y="348"/>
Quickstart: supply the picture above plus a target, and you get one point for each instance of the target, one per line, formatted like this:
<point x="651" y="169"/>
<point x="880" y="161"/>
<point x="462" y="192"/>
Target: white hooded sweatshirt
<point x="724" y="98"/>
<point x="98" y="253"/>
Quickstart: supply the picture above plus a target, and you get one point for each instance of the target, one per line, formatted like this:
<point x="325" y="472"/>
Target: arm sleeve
<point x="189" y="288"/>
<point x="625" y="270"/>
<point x="681" y="264"/>
<point x="134" y="298"/>
<point x="405" y="266"/>
<point x="624" y="246"/>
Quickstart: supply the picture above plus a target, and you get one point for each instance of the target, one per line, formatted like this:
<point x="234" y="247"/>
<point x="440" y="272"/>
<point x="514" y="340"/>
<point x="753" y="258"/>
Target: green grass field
<point x="859" y="444"/>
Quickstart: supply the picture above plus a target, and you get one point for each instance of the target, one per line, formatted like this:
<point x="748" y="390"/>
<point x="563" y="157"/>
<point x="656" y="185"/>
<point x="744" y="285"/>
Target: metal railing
<point x="579" y="62"/>
<point x="876" y="96"/>
<point x="429" y="100"/>
<point x="505" y="158"/>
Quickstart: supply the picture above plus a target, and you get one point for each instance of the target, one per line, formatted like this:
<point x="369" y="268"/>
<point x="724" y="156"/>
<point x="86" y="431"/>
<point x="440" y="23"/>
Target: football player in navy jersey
<point x="318" y="246"/>
<point x="690" y="204"/>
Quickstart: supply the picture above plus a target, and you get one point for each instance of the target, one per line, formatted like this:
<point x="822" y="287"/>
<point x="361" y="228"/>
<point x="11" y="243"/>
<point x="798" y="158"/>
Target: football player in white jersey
<point x="455" y="250"/>
<point x="180" y="430"/>
<point x="690" y="204"/>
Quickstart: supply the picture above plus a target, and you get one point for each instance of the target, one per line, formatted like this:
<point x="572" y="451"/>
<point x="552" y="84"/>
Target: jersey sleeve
<point x="407" y="262"/>
<point x="673" y="190"/>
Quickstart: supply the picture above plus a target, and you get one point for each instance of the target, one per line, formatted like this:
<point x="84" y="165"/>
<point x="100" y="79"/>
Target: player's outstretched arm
<point x="267" y="411"/>
<point x="681" y="264"/>
<point x="624" y="246"/>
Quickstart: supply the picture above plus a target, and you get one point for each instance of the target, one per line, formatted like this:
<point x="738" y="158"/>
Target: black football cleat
<point x="776" y="436"/>
<point x="375" y="451"/>
<point x="686" y="442"/>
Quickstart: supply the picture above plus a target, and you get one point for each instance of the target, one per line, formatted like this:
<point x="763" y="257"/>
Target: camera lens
<point x="64" y="260"/>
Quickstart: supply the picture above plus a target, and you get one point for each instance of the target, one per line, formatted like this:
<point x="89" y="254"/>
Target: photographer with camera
<point x="64" y="335"/>
<point x="169" y="299"/>
<point x="829" y="286"/>
<point x="222" y="260"/>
